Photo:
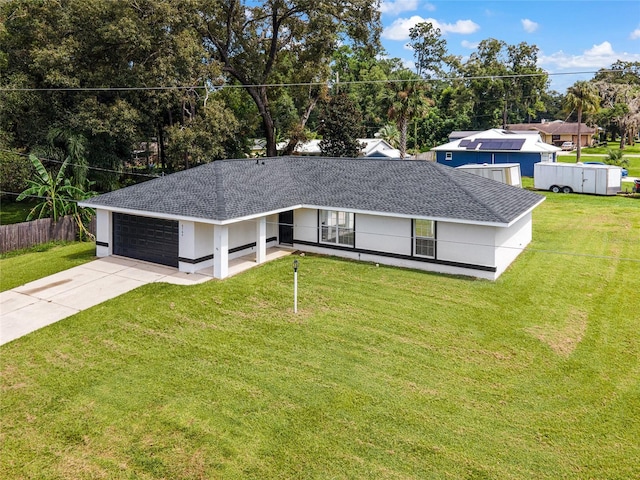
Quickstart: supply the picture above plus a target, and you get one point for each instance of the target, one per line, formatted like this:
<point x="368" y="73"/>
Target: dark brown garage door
<point x="150" y="239"/>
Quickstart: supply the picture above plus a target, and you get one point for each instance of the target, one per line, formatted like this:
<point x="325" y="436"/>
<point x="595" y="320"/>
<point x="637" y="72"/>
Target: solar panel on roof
<point x="498" y="144"/>
<point x="464" y="143"/>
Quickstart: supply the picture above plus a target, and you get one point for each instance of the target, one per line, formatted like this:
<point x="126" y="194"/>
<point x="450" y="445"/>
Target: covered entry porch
<point x="227" y="249"/>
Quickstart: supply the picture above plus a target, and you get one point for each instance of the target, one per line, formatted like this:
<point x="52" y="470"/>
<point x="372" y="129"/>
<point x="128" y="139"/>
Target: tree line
<point x="87" y="82"/>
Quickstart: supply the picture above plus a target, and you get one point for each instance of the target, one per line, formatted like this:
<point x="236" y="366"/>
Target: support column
<point x="186" y="246"/>
<point x="104" y="233"/>
<point x="261" y="240"/>
<point x="220" y="251"/>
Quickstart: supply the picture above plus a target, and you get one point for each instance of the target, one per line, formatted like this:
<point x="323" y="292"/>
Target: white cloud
<point x="469" y="45"/>
<point x="635" y="34"/>
<point x="410" y="64"/>
<point x="529" y="26"/>
<point x="398" y="6"/>
<point x="598" y="56"/>
<point x="399" y="29"/>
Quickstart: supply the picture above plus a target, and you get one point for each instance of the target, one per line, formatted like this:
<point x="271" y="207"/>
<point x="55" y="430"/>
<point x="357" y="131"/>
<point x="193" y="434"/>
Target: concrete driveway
<point x="50" y="299"/>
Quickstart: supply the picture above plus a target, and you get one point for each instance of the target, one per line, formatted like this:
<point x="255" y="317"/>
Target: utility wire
<point x="301" y="84"/>
<point x="83" y="166"/>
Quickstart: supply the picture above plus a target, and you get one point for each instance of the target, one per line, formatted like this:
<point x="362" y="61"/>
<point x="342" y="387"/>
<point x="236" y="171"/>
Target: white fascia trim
<point x="145" y="213"/>
<point x="542" y="199"/>
<point x="258" y="215"/>
<point x="168" y="216"/>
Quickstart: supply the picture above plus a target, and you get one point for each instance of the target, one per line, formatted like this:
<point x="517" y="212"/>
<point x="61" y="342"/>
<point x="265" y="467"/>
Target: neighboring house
<point x="411" y="214"/>
<point x="371" y="148"/>
<point x="378" y="148"/>
<point x="460" y="134"/>
<point x="497" y="146"/>
<point x="557" y="132"/>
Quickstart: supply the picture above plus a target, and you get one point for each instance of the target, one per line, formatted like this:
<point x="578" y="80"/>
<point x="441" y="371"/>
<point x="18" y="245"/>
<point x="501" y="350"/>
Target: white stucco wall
<point x="399" y="262"/>
<point x="305" y="224"/>
<point x="104" y="229"/>
<point x="242" y="233"/>
<point x="203" y="240"/>
<point x="383" y="234"/>
<point x="195" y="242"/>
<point x="272" y="226"/>
<point x="186" y="239"/>
<point x="472" y="244"/>
<point x="511" y="241"/>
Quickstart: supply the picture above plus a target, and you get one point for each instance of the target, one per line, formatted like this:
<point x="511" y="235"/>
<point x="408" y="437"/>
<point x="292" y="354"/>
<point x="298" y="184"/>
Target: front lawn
<point x="628" y="149"/>
<point x="384" y="372"/>
<point x="23" y="266"/>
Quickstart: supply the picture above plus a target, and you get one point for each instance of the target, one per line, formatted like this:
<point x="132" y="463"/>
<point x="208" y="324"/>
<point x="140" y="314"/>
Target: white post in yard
<point x="295" y="286"/>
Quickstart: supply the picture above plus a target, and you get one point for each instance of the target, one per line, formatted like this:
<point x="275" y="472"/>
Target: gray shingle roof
<point x="228" y="189"/>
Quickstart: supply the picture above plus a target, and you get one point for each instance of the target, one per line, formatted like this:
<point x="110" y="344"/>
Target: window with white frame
<point x="448" y="156"/>
<point x="337" y="227"/>
<point x="424" y="235"/>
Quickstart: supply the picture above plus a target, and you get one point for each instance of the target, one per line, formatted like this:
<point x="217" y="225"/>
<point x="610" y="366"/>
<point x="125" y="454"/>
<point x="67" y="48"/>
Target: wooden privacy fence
<point x="28" y="234"/>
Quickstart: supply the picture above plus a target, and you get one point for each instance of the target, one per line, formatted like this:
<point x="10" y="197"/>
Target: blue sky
<point x="572" y="36"/>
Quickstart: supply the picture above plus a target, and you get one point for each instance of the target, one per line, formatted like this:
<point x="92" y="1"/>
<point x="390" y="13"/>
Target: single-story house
<point x="371" y="147"/>
<point x="497" y="146"/>
<point x="405" y="213"/>
<point x="557" y="132"/>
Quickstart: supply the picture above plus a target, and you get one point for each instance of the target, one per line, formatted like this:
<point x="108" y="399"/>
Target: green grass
<point x="628" y="149"/>
<point x="14" y="212"/>
<point x="23" y="266"/>
<point x="384" y="372"/>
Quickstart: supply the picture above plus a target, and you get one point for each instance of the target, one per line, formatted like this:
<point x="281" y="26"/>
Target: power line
<point x="39" y="197"/>
<point x="83" y="166"/>
<point x="300" y="84"/>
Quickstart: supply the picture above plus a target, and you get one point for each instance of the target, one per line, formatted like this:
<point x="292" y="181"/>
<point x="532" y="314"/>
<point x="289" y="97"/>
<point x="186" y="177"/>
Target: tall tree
<point x="527" y="86"/>
<point x="340" y="126"/>
<point x="405" y="99"/>
<point x="97" y="44"/>
<point x="284" y="41"/>
<point x="505" y="82"/>
<point x="619" y="89"/>
<point x="368" y="72"/>
<point x="582" y="97"/>
<point x="429" y="49"/>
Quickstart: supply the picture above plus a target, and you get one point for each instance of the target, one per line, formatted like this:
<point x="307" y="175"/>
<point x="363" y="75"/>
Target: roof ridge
<point x="481" y="201"/>
<point x="221" y="204"/>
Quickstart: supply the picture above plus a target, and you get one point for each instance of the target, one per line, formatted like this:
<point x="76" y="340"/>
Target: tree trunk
<point x="163" y="158"/>
<point x="293" y="142"/>
<point x="403" y="136"/>
<point x="579" y="139"/>
<point x="270" y="134"/>
<point x="259" y="96"/>
<point x="504" y="115"/>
